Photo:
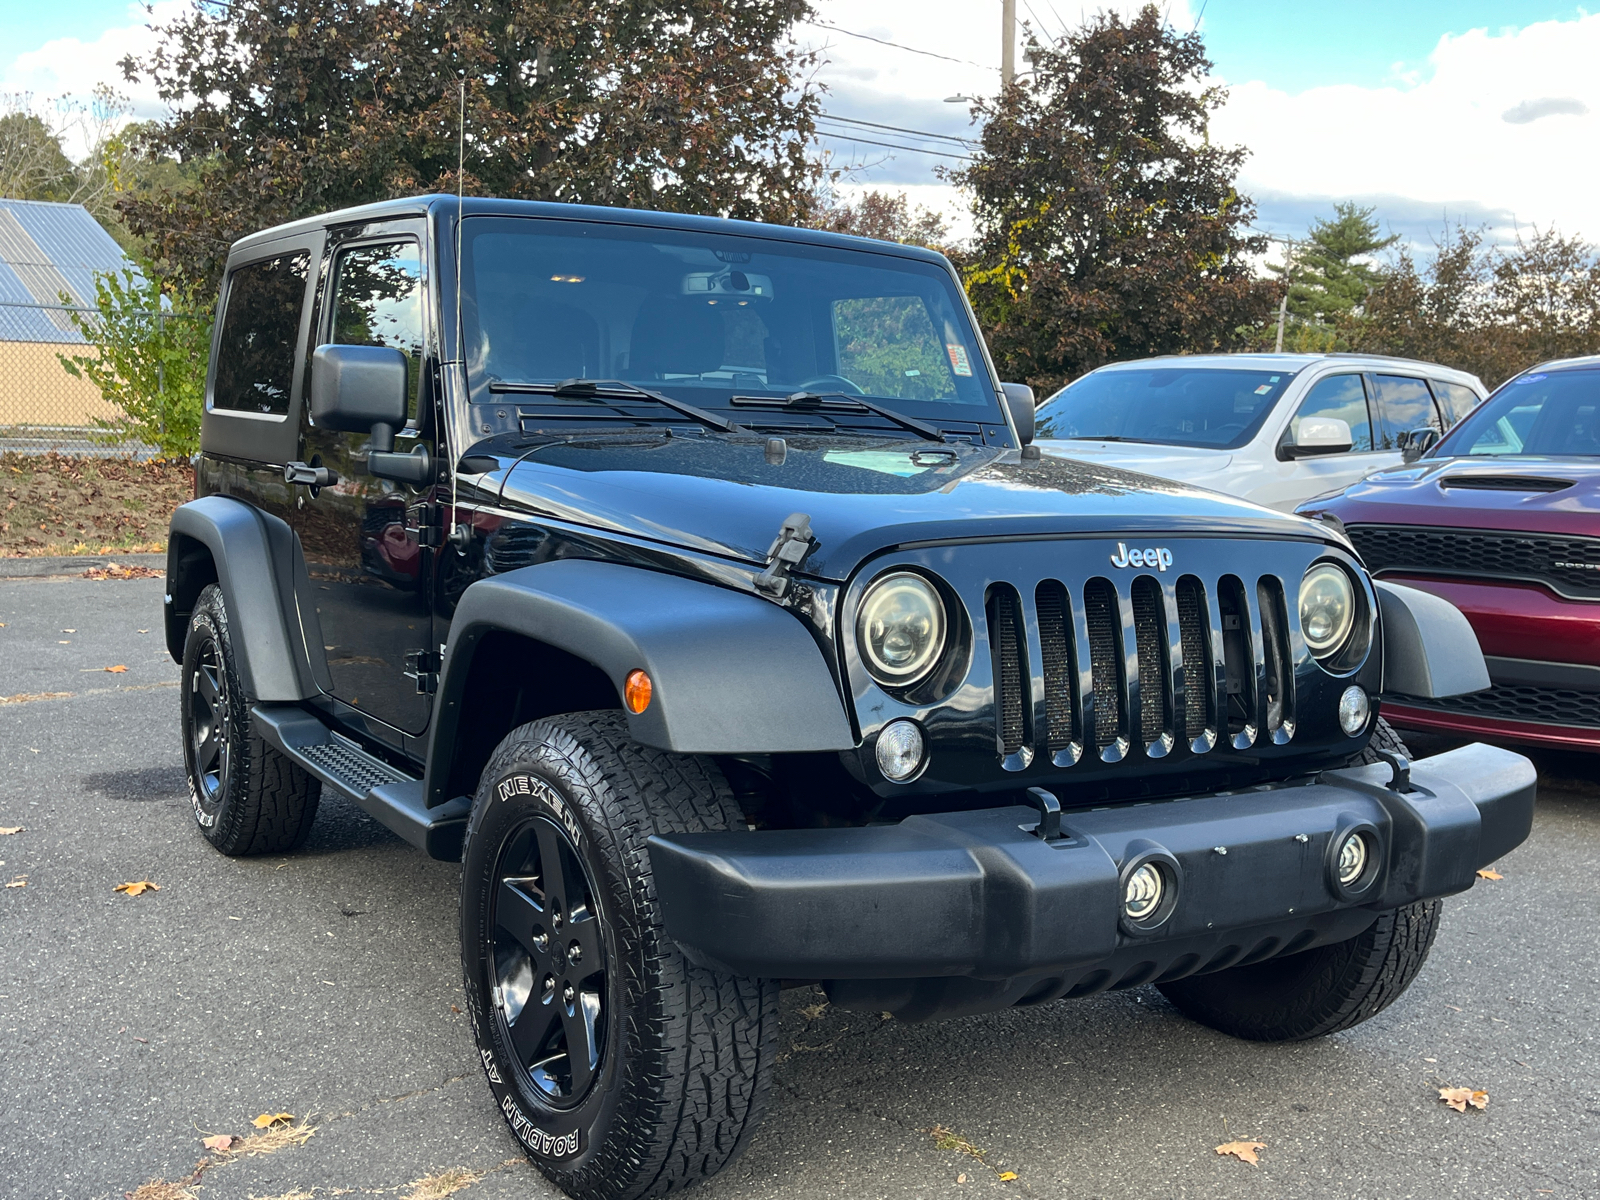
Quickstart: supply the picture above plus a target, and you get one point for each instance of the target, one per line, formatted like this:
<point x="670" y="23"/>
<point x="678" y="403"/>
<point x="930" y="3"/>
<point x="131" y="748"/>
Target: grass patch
<point x="59" y="504"/>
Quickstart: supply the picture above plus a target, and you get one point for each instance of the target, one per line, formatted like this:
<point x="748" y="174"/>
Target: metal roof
<point x="47" y="251"/>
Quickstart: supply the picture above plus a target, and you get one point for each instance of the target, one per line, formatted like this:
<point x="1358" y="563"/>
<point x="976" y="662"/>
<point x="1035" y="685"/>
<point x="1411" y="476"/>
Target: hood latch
<point x="788" y="550"/>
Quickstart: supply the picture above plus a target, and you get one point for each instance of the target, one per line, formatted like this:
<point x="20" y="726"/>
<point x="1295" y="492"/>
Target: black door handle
<point x="317" y="477"/>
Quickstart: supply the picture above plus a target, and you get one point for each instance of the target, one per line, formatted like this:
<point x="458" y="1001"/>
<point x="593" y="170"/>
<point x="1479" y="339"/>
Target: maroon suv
<point x="1502" y="519"/>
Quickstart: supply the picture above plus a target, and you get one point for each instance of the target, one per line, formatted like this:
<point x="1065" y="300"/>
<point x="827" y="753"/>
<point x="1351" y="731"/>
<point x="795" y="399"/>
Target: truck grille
<point x="1168" y="687"/>
<point x="1570" y="566"/>
<point x="1517" y="702"/>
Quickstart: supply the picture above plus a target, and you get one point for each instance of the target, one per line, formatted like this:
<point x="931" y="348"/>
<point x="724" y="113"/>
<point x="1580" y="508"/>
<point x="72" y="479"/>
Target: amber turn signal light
<point x="636" y="691"/>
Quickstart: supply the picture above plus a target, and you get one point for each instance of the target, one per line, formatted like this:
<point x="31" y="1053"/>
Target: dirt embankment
<point x="55" y="504"/>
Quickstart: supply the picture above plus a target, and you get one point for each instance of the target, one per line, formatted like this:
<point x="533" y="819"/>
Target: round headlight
<point x="1327" y="609"/>
<point x="901" y="629"/>
<point x="900" y="750"/>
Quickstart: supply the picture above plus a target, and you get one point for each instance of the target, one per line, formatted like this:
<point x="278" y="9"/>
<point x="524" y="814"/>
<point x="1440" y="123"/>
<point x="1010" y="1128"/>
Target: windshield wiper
<point x="594" y="389"/>
<point x="1106" y="437"/>
<point x="819" y="402"/>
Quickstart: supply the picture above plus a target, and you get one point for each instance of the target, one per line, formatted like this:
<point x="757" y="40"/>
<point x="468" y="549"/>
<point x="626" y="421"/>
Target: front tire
<point x="623" y="1068"/>
<point x="1326" y="989"/>
<point x="248" y="798"/>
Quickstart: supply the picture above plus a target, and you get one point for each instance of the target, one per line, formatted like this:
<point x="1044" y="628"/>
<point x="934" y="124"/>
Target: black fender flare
<point x="731" y="673"/>
<point x="255" y="555"/>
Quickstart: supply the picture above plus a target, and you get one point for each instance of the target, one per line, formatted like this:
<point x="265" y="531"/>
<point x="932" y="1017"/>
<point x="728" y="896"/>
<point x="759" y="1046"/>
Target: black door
<point x="360" y="538"/>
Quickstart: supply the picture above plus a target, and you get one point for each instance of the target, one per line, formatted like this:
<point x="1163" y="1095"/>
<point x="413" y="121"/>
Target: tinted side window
<point x="1341" y="396"/>
<point x="1456" y="399"/>
<point x="377" y="301"/>
<point x="1405" y="404"/>
<point x="255" y="353"/>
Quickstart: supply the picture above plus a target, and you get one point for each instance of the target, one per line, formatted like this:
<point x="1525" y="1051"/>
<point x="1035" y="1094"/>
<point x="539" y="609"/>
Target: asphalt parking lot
<point x="322" y="984"/>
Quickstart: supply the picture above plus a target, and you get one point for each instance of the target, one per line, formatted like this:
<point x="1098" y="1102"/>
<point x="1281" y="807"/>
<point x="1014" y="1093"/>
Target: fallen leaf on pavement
<point x="221" y="1143"/>
<point x="8" y="830"/>
<point x="116" y="670"/>
<point x="1459" y="1098"/>
<point x="1007" y="1176"/>
<point x="1243" y="1151"/>
<point x="1488" y="873"/>
<point x="445" y="1183"/>
<point x="267" y="1120"/>
<point x="961" y="1178"/>
<point x="116" y="571"/>
<point x="19" y="881"/>
<point x="138" y="888"/>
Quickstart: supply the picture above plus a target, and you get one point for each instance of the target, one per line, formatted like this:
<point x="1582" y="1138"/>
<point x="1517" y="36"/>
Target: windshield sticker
<point x="958" y="358"/>
<point x="1263" y="389"/>
<point x="885" y="462"/>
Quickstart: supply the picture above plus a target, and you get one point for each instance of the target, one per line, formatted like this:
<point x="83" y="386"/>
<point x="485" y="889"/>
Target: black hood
<point x="728" y="496"/>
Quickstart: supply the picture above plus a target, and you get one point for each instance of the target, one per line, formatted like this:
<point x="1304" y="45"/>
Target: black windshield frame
<point x="967" y="395"/>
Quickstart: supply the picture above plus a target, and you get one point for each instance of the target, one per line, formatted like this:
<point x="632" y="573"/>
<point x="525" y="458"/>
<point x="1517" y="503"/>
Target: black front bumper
<point x="977" y="900"/>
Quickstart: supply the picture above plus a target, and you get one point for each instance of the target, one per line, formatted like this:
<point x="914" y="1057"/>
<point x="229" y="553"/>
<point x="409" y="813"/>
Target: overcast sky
<point x="1429" y="110"/>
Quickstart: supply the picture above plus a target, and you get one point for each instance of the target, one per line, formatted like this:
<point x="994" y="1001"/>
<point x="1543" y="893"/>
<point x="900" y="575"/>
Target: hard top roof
<point x="471" y="206"/>
<point x="1295" y="362"/>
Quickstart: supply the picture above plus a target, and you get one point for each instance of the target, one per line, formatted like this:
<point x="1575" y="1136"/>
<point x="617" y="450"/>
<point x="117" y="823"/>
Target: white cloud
<point x="1500" y="123"/>
<point x="70" y="67"/>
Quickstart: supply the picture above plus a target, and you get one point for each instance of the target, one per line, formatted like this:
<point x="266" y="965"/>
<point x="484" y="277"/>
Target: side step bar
<point x="385" y="793"/>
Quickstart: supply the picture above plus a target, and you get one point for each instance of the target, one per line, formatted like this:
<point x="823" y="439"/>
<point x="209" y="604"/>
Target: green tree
<point x="32" y="163"/>
<point x="147" y="360"/>
<point x="1329" y="277"/>
<point x="293" y="107"/>
<point x="1109" y="225"/>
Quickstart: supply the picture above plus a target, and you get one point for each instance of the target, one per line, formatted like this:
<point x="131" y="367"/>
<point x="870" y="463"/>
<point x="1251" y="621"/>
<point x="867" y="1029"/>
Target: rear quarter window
<point x="260" y="328"/>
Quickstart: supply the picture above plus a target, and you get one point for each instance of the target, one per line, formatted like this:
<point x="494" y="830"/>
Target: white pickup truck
<point x="1276" y="429"/>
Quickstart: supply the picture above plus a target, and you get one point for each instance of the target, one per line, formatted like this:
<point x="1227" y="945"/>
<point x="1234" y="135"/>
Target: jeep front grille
<point x="1569" y="566"/>
<point x="1170" y="663"/>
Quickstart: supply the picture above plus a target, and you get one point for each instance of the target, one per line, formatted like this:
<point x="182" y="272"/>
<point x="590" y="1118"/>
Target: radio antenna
<point x="460" y="534"/>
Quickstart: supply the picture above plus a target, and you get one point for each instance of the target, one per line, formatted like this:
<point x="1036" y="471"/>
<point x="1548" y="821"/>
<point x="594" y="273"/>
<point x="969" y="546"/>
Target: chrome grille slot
<point x="1010" y="678"/>
<point x="1060" y="666"/>
<point x="1275" y="650"/>
<point x="1150" y="637"/>
<point x="1238" y="660"/>
<point x="1194" y="626"/>
<point x="1105" y="655"/>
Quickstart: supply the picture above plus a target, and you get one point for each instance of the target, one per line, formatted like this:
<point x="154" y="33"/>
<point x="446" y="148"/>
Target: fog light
<point x="1354" y="709"/>
<point x="1352" y="859"/>
<point x="900" y="750"/>
<point x="1142" y="895"/>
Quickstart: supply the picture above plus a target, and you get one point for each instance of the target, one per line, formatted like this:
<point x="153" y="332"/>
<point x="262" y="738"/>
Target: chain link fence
<point x="43" y="408"/>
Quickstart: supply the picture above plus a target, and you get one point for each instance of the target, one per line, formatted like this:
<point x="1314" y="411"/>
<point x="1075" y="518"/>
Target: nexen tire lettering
<point x="537" y="1140"/>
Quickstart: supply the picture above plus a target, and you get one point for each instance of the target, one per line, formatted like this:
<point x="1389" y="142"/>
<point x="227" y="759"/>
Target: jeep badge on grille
<point x="1158" y="557"/>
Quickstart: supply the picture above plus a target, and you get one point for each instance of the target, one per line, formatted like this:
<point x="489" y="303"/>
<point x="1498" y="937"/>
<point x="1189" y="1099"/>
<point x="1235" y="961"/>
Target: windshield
<point x="1170" y="406"/>
<point x="705" y="317"/>
<point x="1556" y="412"/>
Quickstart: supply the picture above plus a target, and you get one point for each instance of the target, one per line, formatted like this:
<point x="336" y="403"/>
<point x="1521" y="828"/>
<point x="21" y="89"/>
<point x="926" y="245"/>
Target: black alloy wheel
<point x="208" y="709"/>
<point x="248" y="797"/>
<point x="549" y="962"/>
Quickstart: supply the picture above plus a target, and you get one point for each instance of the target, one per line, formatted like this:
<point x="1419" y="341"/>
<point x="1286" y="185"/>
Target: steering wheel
<point x="831" y="383"/>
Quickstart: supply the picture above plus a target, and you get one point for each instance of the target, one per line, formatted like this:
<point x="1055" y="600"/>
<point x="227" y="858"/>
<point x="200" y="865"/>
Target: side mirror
<point x="1319" y="435"/>
<point x="364" y="389"/>
<point x="1417" y="442"/>
<point x="1019" y="402"/>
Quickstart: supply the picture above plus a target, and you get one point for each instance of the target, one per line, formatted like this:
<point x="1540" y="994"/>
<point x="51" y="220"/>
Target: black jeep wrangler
<point x="695" y="584"/>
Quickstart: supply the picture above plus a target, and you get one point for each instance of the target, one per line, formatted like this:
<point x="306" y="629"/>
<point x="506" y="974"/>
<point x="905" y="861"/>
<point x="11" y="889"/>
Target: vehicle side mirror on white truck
<point x="1317" y="435"/>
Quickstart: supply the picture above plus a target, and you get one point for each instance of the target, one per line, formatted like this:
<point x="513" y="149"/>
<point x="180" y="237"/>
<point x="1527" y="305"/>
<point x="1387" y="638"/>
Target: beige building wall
<point x="34" y="390"/>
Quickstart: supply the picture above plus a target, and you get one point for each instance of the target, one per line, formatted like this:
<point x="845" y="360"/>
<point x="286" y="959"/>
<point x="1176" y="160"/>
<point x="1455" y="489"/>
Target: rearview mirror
<point x="1019" y="402"/>
<point x="1417" y="442"/>
<point x="360" y="389"/>
<point x="1318" y="435"/>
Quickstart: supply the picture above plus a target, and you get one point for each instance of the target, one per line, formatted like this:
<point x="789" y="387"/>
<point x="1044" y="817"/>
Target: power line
<point x="867" y="37"/>
<point x="847" y="136"/>
<point x="943" y="137"/>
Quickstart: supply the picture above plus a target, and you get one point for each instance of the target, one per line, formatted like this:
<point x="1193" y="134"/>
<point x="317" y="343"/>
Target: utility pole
<point x="1288" y="280"/>
<point x="1008" y="42"/>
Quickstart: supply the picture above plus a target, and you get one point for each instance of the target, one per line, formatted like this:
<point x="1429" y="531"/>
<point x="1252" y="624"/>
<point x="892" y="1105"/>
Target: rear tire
<point x="248" y="798"/>
<point x="624" y="1069"/>
<point x="1326" y="989"/>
